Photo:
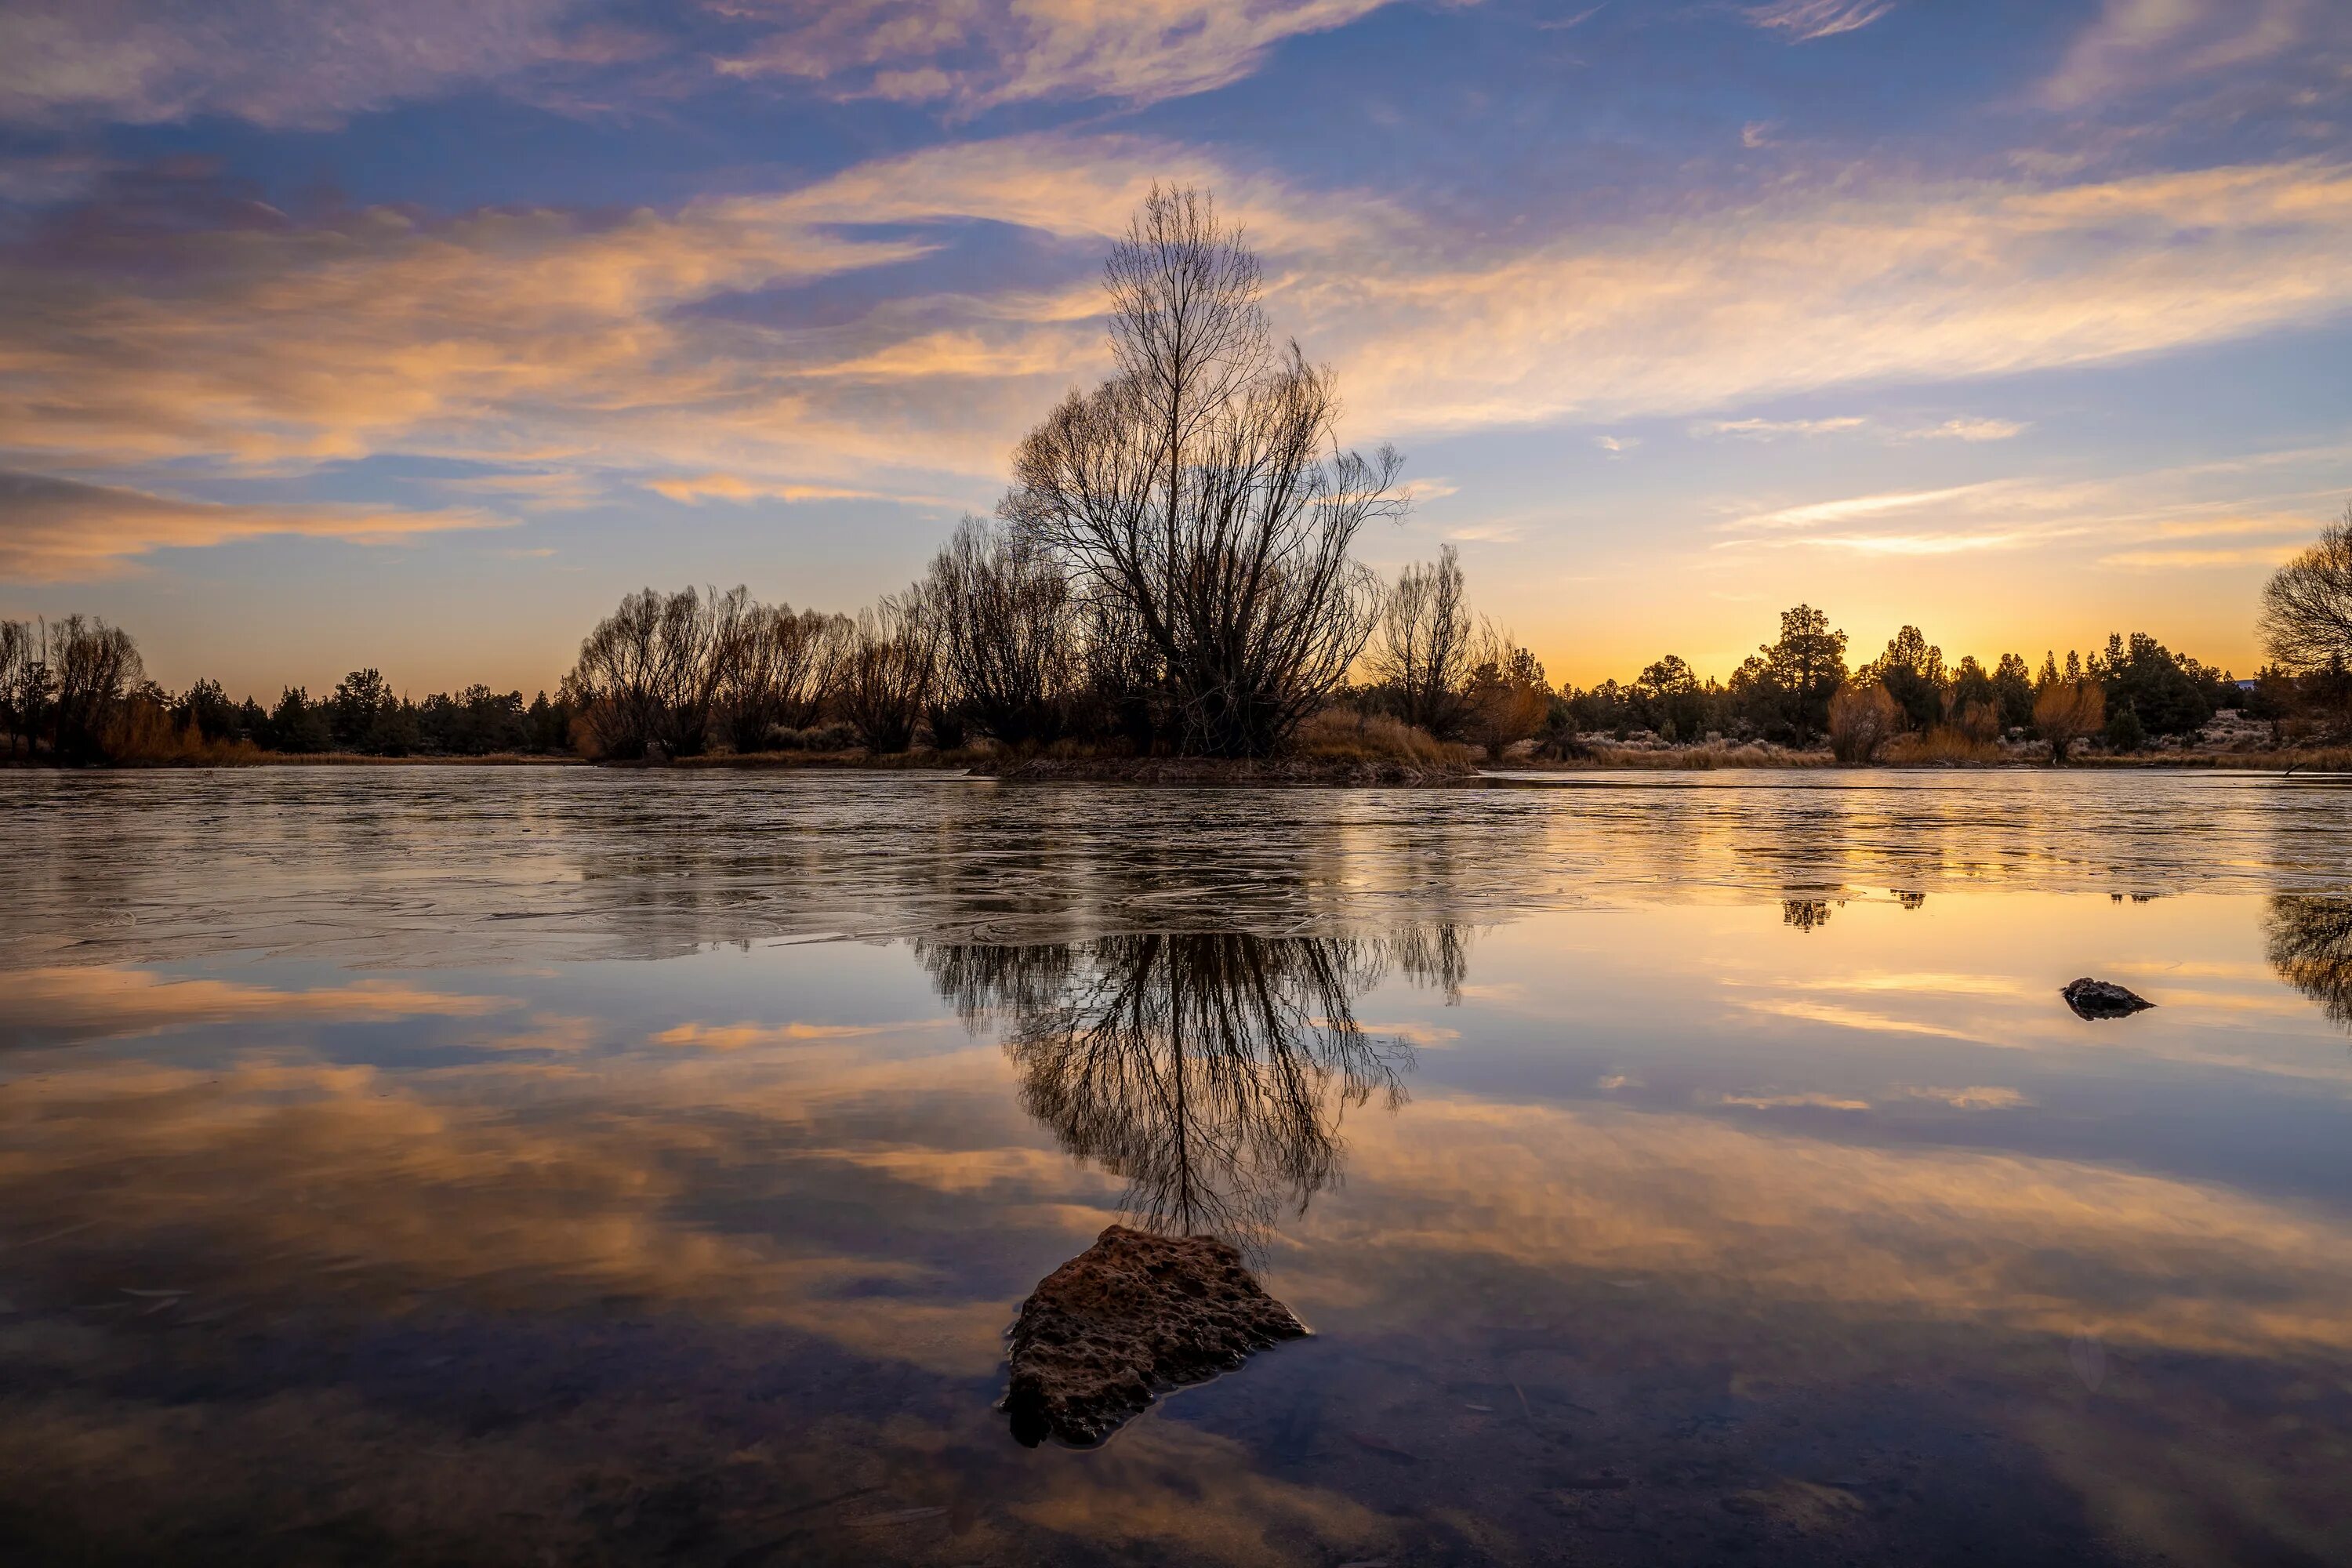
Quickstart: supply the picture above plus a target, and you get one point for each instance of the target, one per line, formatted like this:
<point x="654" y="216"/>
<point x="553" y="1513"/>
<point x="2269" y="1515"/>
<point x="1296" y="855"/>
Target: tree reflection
<point x="2310" y="945"/>
<point x="1212" y="1071"/>
<point x="1805" y="914"/>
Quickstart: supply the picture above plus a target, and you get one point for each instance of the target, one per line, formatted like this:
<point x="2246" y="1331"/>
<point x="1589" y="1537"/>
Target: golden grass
<point x="1338" y="735"/>
<point x="1942" y="746"/>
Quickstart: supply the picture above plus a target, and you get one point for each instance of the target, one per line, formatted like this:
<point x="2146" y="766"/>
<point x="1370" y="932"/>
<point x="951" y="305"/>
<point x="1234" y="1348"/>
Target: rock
<point x="2101" y="999"/>
<point x="1130" y="1317"/>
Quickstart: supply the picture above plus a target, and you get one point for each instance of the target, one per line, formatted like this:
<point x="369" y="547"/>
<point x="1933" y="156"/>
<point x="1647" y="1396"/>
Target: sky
<point x="412" y="334"/>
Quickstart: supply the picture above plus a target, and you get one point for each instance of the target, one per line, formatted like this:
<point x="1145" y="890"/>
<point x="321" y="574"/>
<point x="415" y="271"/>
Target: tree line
<point x="76" y="691"/>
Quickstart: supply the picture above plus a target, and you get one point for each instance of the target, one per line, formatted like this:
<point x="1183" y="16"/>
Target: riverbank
<point x="1342" y="773"/>
<point x="1686" y="759"/>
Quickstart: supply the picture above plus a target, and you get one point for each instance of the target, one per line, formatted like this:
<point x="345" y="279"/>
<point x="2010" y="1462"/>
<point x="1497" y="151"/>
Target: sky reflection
<point x="1856" y="1226"/>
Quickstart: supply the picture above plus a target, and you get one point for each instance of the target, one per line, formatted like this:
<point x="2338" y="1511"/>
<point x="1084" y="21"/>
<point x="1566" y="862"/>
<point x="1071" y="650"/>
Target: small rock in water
<point x="2101" y="999"/>
<point x="1131" y="1315"/>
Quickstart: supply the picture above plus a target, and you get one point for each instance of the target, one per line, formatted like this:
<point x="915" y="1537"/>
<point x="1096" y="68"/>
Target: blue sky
<point x="412" y="334"/>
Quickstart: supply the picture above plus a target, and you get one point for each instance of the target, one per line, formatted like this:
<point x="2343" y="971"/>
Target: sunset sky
<point x="412" y="334"/>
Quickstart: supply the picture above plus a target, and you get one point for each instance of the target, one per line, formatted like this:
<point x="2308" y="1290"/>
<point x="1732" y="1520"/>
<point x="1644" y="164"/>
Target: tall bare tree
<point x="649" y="674"/>
<point x="780" y="671"/>
<point x="2306" y="619"/>
<point x="95" y="667"/>
<point x="1427" y="645"/>
<point x="1008" y="633"/>
<point x="888" y="674"/>
<point x="1202" y="485"/>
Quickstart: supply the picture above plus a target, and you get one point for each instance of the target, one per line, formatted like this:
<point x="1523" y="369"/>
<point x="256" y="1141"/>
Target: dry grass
<point x="1703" y="758"/>
<point x="1338" y="735"/>
<point x="962" y="757"/>
<point x="1942" y="746"/>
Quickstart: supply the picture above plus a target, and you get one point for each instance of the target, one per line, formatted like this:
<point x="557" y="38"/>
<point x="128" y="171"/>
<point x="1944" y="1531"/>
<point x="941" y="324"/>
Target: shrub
<point x="1861" y="719"/>
<point x="2065" y="712"/>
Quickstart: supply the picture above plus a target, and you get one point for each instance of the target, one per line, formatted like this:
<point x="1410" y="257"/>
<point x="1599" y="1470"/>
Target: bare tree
<point x="1009" y="647"/>
<point x="1203" y="487"/>
<point x="780" y="671"/>
<point x="889" y="674"/>
<point x="23" y="683"/>
<point x="2306" y="619"/>
<point x="648" y="676"/>
<point x="95" y="668"/>
<point x="1427" y="646"/>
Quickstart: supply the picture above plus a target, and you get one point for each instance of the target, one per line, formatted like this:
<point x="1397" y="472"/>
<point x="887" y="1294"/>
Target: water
<point x="526" y="1166"/>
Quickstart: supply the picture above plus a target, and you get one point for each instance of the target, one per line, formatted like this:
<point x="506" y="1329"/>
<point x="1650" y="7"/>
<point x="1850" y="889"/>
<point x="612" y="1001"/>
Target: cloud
<point x="62" y="530"/>
<point x="1767" y="429"/>
<point x="1804" y="20"/>
<point x="2139" y="44"/>
<point x="1950" y="429"/>
<point x="2248" y="556"/>
<point x="1969" y="430"/>
<point x="1756" y="134"/>
<point x="1846" y="509"/>
<point x="1977" y="1096"/>
<point x="695" y="489"/>
<point x="736" y="1035"/>
<point x="299" y="63"/>
<point x="65" y="1003"/>
<point x="989" y="52"/>
<point x="172" y="319"/>
<point x="1806" y="290"/>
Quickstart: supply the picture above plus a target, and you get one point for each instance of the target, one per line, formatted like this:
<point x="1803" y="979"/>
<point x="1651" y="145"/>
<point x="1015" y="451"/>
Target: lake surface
<point x="563" y="1166"/>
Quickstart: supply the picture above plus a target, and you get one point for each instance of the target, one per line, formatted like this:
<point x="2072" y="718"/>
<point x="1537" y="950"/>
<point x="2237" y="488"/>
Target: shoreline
<point x="1337" y="772"/>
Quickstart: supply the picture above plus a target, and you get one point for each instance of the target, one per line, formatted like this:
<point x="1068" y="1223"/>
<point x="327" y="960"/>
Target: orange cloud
<point x="81" y="1004"/>
<point x="60" y="529"/>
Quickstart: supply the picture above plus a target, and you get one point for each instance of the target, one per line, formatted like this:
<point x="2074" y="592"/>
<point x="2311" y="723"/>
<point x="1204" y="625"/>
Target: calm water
<point x="569" y="1167"/>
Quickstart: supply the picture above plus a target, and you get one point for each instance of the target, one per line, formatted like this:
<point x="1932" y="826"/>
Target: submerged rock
<point x="2101" y="999"/>
<point x="1130" y="1316"/>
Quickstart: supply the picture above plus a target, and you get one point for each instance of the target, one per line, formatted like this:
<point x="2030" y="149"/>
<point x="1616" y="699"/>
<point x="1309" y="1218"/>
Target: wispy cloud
<point x="1847" y="423"/>
<point x="698" y="488"/>
<point x="2137" y="44"/>
<point x="62" y="530"/>
<point x="1806" y="291"/>
<point x="747" y="1032"/>
<point x="985" y="53"/>
<point x="1804" y="20"/>
<point x="1764" y="430"/>
<point x="307" y="65"/>
<point x="2177" y="560"/>
<point x="1968" y="430"/>
<point x="1848" y="508"/>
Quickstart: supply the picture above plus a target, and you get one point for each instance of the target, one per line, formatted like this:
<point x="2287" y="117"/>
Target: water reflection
<point x="1210" y="1071"/>
<point x="2309" y="942"/>
<point x="427" y="866"/>
<point x="1805" y="914"/>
